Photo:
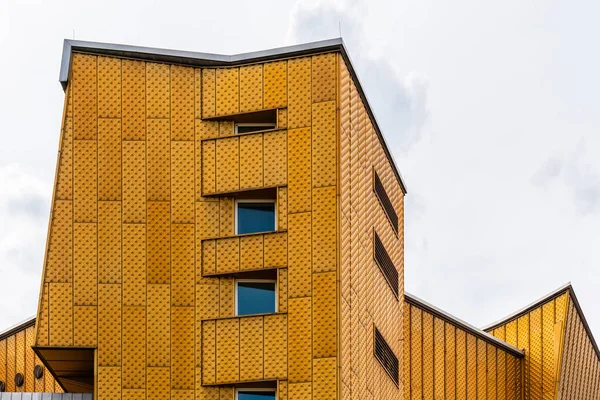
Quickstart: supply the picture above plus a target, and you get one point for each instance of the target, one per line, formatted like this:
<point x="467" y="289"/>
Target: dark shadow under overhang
<point x="72" y="367"/>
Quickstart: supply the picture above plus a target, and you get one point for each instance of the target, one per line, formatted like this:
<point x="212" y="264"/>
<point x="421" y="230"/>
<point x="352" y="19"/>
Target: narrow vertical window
<point x="385" y="201"/>
<point x="387" y="358"/>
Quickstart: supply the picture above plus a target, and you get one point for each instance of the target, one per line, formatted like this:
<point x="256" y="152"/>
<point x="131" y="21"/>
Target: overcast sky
<point x="490" y="108"/>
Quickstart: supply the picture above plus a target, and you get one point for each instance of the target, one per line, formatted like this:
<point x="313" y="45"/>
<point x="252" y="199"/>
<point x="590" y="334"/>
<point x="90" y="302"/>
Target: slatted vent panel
<point x="386" y="265"/>
<point x="386" y="357"/>
<point x="385" y="201"/>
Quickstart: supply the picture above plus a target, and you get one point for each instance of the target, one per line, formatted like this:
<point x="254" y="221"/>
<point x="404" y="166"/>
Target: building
<point x="231" y="227"/>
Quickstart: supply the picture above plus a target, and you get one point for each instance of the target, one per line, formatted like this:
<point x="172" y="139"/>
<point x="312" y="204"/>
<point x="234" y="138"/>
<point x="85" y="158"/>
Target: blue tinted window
<point x="255" y="297"/>
<point x="256" y="395"/>
<point x="255" y="217"/>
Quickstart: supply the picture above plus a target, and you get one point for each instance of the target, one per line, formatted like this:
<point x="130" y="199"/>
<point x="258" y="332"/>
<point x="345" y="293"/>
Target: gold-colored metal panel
<point x="324" y="160"/>
<point x="471" y="367"/>
<point x="439" y="348"/>
<point x="197" y="93"/>
<point x="3" y="356"/>
<point x="512" y="376"/>
<point x="226" y="128"/>
<point x="282" y="390"/>
<point x="324" y="378"/>
<point x="501" y="374"/>
<point x="61" y="314"/>
<point x="428" y="356"/>
<point x="324" y="315"/>
<point x="109" y="159"/>
<point x="109" y="87"/>
<point x="323" y="77"/>
<point x="275" y="84"/>
<point x="159" y="159"/>
<point x="159" y="242"/>
<point x="228" y="91"/>
<point x="548" y="375"/>
<point x="157" y="381"/>
<point x="181" y="394"/>
<point x="276" y="346"/>
<point x="416" y="353"/>
<point x="228" y="350"/>
<point x="461" y="364"/>
<point x="209" y="258"/>
<point x="109" y="383"/>
<point x="208" y="352"/>
<point x="299" y="92"/>
<point x="450" y="366"/>
<point x="282" y="118"/>
<point x="251" y="88"/>
<point x="29" y="359"/>
<point x="182" y="103"/>
<point x="299" y="254"/>
<point x="251" y="348"/>
<point x="209" y="98"/>
<point x="251" y="161"/>
<point x="275" y="158"/>
<point x="84" y="260"/>
<point x="228" y="255"/>
<point x="405" y="365"/>
<point x="134" y="100"/>
<point x="182" y="265"/>
<point x="85" y="324"/>
<point x="208" y="167"/>
<point x="133" y="394"/>
<point x="299" y="170"/>
<point x="226" y="393"/>
<point x="324" y="226"/>
<point x="85" y="181"/>
<point x="491" y="371"/>
<point x="299" y="333"/>
<point x="134" y="182"/>
<point x="228" y="169"/>
<point x="11" y="362"/>
<point x="158" y="321"/>
<point x="299" y="391"/>
<point x="204" y="130"/>
<point x="511" y="333"/>
<point x="20" y="355"/>
<point x="59" y="266"/>
<point x="157" y="90"/>
<point x="182" y="340"/>
<point x="109" y="239"/>
<point x="282" y="289"/>
<point x="275" y="249"/>
<point x="207" y="219"/>
<point x="134" y="264"/>
<point x="226" y="297"/>
<point x="134" y="347"/>
<point x="282" y="210"/>
<point x="182" y="185"/>
<point x="535" y="362"/>
<point x="84" y="96"/>
<point x="251" y="252"/>
<point x="521" y="338"/>
<point x="64" y="181"/>
<point x="42" y="321"/>
<point x="109" y="325"/>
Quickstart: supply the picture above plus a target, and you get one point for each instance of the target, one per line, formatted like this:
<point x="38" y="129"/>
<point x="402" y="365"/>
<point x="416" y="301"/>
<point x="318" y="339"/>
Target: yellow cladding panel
<point x="134" y="100"/>
<point x="134" y="182"/>
<point x="208" y="352"/>
<point x="109" y="325"/>
<point x="228" y="255"/>
<point x="416" y="354"/>
<point x="492" y="377"/>
<point x="323" y="77"/>
<point x="60" y="246"/>
<point x="42" y="321"/>
<point x="182" y="103"/>
<point x="299" y="170"/>
<point x="109" y="382"/>
<point x="109" y="239"/>
<point x="159" y="242"/>
<point x="324" y="248"/>
<point x="226" y="128"/>
<point x="275" y="249"/>
<point x="182" y="265"/>
<point x="209" y="258"/>
<point x="439" y="359"/>
<point x="85" y="181"/>
<point x="282" y="390"/>
<point x="207" y="219"/>
<point x="548" y="350"/>
<point x="405" y="373"/>
<point x="85" y="323"/>
<point x="535" y="365"/>
<point x="29" y="358"/>
<point x="228" y="91"/>
<point x="299" y="92"/>
<point x="3" y="360"/>
<point x="11" y="362"/>
<point x="134" y="264"/>
<point x="521" y="333"/>
<point x="282" y="289"/>
<point x="134" y="347"/>
<point x="157" y="90"/>
<point x="109" y="87"/>
<point x="197" y="93"/>
<point x="61" y="314"/>
<point x="461" y="364"/>
<point x="324" y="144"/>
<point x="324" y="315"/>
<point x="209" y="93"/>
<point x="227" y="164"/>
<point x="324" y="378"/>
<point x="84" y="259"/>
<point x="251" y="161"/>
<point x="471" y="367"/>
<point x="226" y="297"/>
<point x="275" y="84"/>
<point x="84" y="96"/>
<point x="282" y="118"/>
<point x="209" y="167"/>
<point x="64" y="181"/>
<point x="182" y="356"/>
<point x="20" y="355"/>
<point x="299" y="255"/>
<point x="502" y="393"/>
<point x="428" y="356"/>
<point x="251" y="252"/>
<point x="275" y="161"/>
<point x="159" y="160"/>
<point x="157" y="381"/>
<point x="251" y="349"/>
<point x="282" y="212"/>
<point x="276" y="346"/>
<point x="207" y="301"/>
<point x="182" y="188"/>
<point x="299" y="354"/>
<point x="251" y="88"/>
<point x="299" y="391"/>
<point x="450" y="367"/>
<point x="158" y="322"/>
<point x="227" y="349"/>
<point x="109" y="159"/>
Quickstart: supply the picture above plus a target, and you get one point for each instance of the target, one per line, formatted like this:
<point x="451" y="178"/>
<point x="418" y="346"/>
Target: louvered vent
<point x="385" y="264"/>
<point x="386" y="357"/>
<point x="385" y="201"/>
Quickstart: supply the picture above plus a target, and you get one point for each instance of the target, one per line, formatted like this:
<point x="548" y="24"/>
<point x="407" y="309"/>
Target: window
<point x="385" y="201"/>
<point x="247" y="128"/>
<point x="255" y="296"/>
<point x="386" y="357"/>
<point x="254" y="216"/>
<point x="385" y="263"/>
<point x="255" y="394"/>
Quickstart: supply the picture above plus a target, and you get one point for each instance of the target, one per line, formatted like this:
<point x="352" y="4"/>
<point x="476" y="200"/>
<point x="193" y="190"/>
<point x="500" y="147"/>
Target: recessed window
<point x="247" y="128"/>
<point x="254" y="216"/>
<point x="255" y="296"/>
<point x="255" y="394"/>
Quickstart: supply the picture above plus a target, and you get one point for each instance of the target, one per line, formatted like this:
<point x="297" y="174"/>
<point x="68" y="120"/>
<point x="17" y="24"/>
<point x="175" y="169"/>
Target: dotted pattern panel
<point x="29" y="359"/>
<point x="275" y="250"/>
<point x="299" y="333"/>
<point x="324" y="77"/>
<point x="134" y="264"/>
<point x="299" y="173"/>
<point x="159" y="160"/>
<point x="461" y="364"/>
<point x="84" y="96"/>
<point x="299" y="391"/>
<point x="42" y="321"/>
<point x="158" y="386"/>
<point x="228" y="255"/>
<point x="109" y="239"/>
<point x="11" y="362"/>
<point x="226" y="128"/>
<point x="84" y="259"/>
<point x="481" y="369"/>
<point x="324" y="144"/>
<point x="299" y="255"/>
<point x="416" y="353"/>
<point x="251" y="161"/>
<point x="282" y="289"/>
<point x="182" y="264"/>
<point x="134" y="347"/>
<point x="275" y="161"/>
<point x="276" y="346"/>
<point x="535" y="364"/>
<point x="282" y="390"/>
<point x="158" y="322"/>
<point x="227" y="165"/>
<point x="182" y="103"/>
<point x="85" y="178"/>
<point x="64" y="182"/>
<point x="20" y="355"/>
<point x="226" y="216"/>
<point x="85" y="323"/>
<point x="109" y="87"/>
<point x="251" y="348"/>
<point x="209" y="81"/>
<point x="228" y="90"/>
<point x="519" y="333"/>
<point x="60" y="247"/>
<point x="159" y="242"/>
<point x="251" y="88"/>
<point x="282" y="211"/>
<point x="134" y="100"/>
<point x="208" y="352"/>
<point x="428" y="356"/>
<point x="209" y="167"/>
<point x="450" y="366"/>
<point x="251" y="252"/>
<point x="324" y="378"/>
<point x="182" y="188"/>
<point x="133" y="394"/>
<point x="209" y="257"/>
<point x="61" y="314"/>
<point x="491" y="372"/>
<point x="226" y="297"/>
<point x="439" y="348"/>
<point x="324" y="247"/>
<point x="227" y="350"/>
<point x="157" y="90"/>
<point x="324" y="315"/>
<point x="109" y="325"/>
<point x="548" y="373"/>
<point x="299" y="92"/>
<point x="109" y="383"/>
<point x="471" y="367"/>
<point x="282" y="118"/>
<point x="275" y="84"/>
<point x="134" y="182"/>
<point x="182" y="340"/>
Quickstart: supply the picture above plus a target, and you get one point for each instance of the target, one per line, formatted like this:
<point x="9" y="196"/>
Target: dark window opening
<point x="261" y="394"/>
<point x="247" y="128"/>
<point x="386" y="357"/>
<point x="385" y="264"/>
<point x="385" y="201"/>
<point x="255" y="216"/>
<point x="255" y="297"/>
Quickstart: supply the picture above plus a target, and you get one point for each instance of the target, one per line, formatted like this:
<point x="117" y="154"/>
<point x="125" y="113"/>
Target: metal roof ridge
<point x="17" y="327"/>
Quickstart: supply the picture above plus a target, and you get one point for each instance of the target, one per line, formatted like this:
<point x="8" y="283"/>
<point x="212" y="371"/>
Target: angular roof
<point x="17" y="327"/>
<point x="195" y="59"/>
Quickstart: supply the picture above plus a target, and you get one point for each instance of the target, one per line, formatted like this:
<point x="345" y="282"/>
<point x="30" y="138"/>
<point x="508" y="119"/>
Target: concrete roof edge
<point x="17" y="327"/>
<point x="412" y="299"/>
<point x="208" y="60"/>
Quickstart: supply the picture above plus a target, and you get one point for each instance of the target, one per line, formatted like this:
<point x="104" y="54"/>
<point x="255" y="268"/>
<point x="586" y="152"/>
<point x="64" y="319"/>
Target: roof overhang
<point x="71" y="367"/>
